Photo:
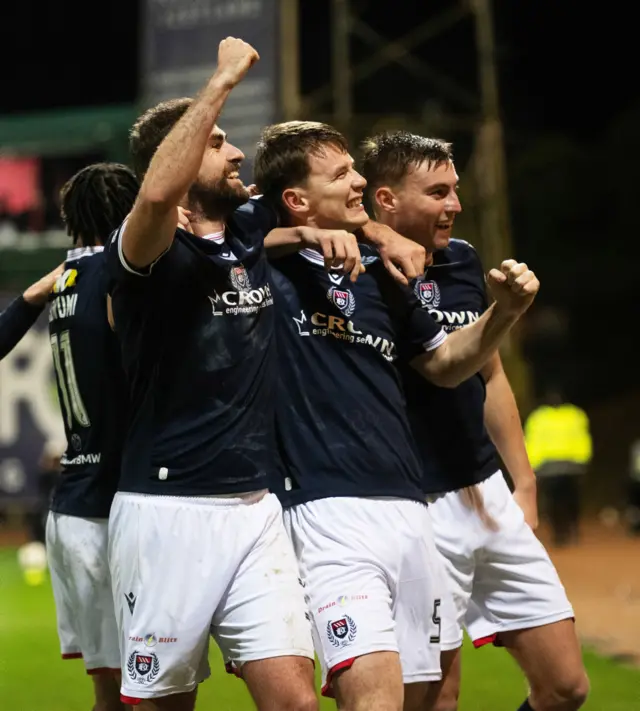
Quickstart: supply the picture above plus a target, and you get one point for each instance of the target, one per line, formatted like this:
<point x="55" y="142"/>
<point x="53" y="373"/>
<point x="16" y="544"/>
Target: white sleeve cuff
<point x="436" y="341"/>
<point x="142" y="271"/>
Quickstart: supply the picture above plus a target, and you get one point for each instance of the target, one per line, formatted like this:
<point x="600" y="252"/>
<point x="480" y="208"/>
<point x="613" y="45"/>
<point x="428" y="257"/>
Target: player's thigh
<point x="263" y="612"/>
<point x="443" y="695"/>
<point x="106" y="690"/>
<point x="185" y="701"/>
<point x="81" y="582"/>
<point x="172" y="559"/>
<point x="347" y="581"/>
<point x="551" y="658"/>
<point x="281" y="683"/>
<point x="516" y="586"/>
<point x="372" y="682"/>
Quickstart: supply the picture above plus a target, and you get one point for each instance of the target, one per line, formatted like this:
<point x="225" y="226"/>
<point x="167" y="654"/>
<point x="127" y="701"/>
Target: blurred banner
<point x="180" y="49"/>
<point x="29" y="413"/>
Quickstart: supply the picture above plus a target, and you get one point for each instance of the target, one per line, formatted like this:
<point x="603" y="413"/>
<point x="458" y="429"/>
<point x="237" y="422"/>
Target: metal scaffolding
<point x="478" y="115"/>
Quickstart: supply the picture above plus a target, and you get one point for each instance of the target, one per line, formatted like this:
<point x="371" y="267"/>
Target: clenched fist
<point x="514" y="286"/>
<point x="235" y="57"/>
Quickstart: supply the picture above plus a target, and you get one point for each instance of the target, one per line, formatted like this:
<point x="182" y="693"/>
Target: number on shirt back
<point x="72" y="403"/>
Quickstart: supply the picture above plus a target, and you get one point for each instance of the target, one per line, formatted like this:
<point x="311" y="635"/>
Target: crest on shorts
<point x="343" y="299"/>
<point x="429" y="293"/>
<point x="239" y="278"/>
<point x="341" y="632"/>
<point x="143" y="668"/>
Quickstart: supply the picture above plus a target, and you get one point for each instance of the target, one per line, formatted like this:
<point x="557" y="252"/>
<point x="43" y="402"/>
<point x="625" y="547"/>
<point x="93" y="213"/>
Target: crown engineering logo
<point x="343" y="299"/>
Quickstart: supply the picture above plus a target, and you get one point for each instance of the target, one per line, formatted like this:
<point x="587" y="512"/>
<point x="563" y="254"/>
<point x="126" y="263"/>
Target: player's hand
<point x="514" y="286"/>
<point x="339" y="248"/>
<point x="403" y="258"/>
<point x="527" y="499"/>
<point x="253" y="190"/>
<point x="235" y="58"/>
<point x="184" y="219"/>
<point x="38" y="294"/>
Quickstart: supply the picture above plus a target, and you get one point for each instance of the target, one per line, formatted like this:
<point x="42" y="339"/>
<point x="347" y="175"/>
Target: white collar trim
<point x="79" y="252"/>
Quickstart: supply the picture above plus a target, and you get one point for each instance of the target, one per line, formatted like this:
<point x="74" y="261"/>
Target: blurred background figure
<point x="633" y="500"/>
<point x="32" y="556"/>
<point x="559" y="447"/>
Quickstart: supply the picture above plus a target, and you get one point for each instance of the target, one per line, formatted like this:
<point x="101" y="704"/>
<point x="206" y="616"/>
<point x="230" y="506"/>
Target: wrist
<point x="526" y="485"/>
<point x="506" y="314"/>
<point x="223" y="80"/>
<point x="305" y="236"/>
<point x="377" y="234"/>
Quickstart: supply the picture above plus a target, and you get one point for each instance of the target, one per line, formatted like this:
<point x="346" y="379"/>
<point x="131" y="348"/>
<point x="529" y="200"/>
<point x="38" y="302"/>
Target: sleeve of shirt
<point x="15" y="321"/>
<point x="416" y="330"/>
<point x="421" y="332"/>
<point x="256" y="218"/>
<point x="120" y="270"/>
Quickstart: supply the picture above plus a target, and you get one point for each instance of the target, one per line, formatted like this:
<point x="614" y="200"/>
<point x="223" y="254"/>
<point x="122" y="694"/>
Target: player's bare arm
<point x="503" y="424"/>
<point x="514" y="287"/>
<point x="403" y="258"/>
<point x="339" y="247"/>
<point x="174" y="167"/>
<point x="38" y="294"/>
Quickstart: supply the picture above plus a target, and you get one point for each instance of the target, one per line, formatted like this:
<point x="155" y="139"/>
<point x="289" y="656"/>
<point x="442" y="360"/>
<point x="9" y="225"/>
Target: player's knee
<point x="567" y="695"/>
<point x="307" y="701"/>
<point x="577" y="692"/>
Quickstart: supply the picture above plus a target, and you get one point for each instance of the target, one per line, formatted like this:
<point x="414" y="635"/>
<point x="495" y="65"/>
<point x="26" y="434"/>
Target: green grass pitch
<point x="34" y="678"/>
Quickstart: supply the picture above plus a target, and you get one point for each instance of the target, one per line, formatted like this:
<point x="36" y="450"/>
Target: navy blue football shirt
<point x="448" y="423"/>
<point x="341" y="418"/>
<point x="196" y="333"/>
<point x="91" y="387"/>
<point x="15" y="321"/>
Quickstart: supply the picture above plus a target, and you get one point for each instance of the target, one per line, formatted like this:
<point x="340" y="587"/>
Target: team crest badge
<point x="429" y="293"/>
<point x="143" y="668"/>
<point x="341" y="632"/>
<point x="343" y="299"/>
<point x="239" y="278"/>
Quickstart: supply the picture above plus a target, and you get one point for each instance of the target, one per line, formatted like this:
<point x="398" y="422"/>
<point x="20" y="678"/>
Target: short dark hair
<point x="151" y="128"/>
<point x="282" y="158"/>
<point x="388" y="157"/>
<point x="95" y="201"/>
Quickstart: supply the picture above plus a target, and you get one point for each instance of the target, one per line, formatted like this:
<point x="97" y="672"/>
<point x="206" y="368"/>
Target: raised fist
<point x="235" y="57"/>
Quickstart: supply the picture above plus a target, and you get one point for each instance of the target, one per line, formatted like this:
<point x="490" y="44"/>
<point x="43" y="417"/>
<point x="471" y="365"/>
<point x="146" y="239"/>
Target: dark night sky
<point x="563" y="69"/>
<point x="560" y="69"/>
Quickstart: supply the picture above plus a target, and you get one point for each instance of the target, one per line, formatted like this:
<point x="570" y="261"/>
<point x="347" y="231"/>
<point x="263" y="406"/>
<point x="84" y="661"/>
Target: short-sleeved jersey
<point x="448" y="423"/>
<point x="341" y="417"/>
<point x="91" y="387"/>
<point x="196" y="332"/>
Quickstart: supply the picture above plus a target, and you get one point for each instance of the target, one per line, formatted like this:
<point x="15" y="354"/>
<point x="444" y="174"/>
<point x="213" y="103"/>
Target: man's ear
<point x="295" y="201"/>
<point x="385" y="199"/>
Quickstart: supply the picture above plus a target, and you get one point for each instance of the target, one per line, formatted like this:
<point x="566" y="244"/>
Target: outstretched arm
<point x="22" y="313"/>
<point x="174" y="168"/>
<point x="467" y="350"/>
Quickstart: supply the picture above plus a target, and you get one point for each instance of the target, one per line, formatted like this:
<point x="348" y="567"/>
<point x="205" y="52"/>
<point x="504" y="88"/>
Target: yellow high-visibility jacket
<point x="558" y="435"/>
